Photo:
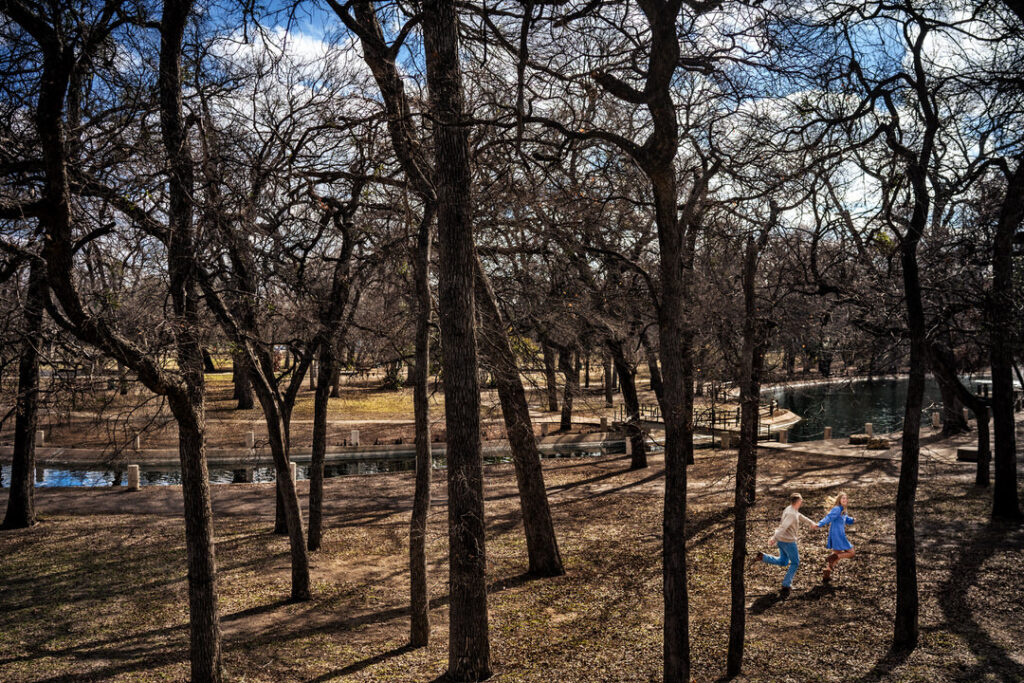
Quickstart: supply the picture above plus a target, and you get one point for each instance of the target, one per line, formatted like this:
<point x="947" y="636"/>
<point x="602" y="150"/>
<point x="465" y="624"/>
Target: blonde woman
<point x="836" y="520"/>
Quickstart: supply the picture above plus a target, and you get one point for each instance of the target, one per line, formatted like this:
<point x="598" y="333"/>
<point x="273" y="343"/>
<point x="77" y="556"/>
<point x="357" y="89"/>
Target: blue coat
<point x="837" y="530"/>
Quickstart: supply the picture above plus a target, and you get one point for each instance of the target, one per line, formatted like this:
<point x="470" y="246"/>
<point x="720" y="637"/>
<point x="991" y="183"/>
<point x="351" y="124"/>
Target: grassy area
<point x="97" y="590"/>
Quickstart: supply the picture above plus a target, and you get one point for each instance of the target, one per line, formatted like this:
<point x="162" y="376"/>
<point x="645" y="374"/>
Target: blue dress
<point x="837" y="530"/>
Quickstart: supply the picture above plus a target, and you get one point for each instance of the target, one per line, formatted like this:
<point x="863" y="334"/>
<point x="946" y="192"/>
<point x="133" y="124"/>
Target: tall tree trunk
<point x="541" y="543"/>
<point x="208" y="364"/>
<point x="570" y="371"/>
<point x="676" y="343"/>
<point x="752" y="362"/>
<point x="21" y="510"/>
<point x="657" y="386"/>
<point x="1004" y="310"/>
<point x="468" y="640"/>
<point x="419" y="597"/>
<point x="609" y="389"/>
<point x="631" y="403"/>
<point x="981" y="476"/>
<point x="953" y="421"/>
<point x="944" y="366"/>
<point x="328" y="365"/>
<point x="240" y="379"/>
<point x="550" y="378"/>
<point x="905" y="632"/>
<point x="336" y="378"/>
<point x="586" y="371"/>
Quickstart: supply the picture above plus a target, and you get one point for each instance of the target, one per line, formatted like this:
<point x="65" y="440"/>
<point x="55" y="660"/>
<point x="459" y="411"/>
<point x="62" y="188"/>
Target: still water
<point x="152" y="475"/>
<point x="847" y="406"/>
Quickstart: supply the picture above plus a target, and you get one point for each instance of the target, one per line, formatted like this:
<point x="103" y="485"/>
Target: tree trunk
<point x="21" y="511"/>
<point x="1003" y="314"/>
<point x="468" y="640"/>
<point x="551" y="379"/>
<point x="419" y="597"/>
<point x="609" y="390"/>
<point x="204" y="627"/>
<point x="586" y="371"/>
<point x="243" y="386"/>
<point x="953" y="421"/>
<point x="752" y="362"/>
<point x="288" y="499"/>
<point x="208" y="364"/>
<point x="656" y="384"/>
<point x="627" y="382"/>
<point x="541" y="543"/>
<point x="570" y="371"/>
<point x="336" y="379"/>
<point x="944" y="366"/>
<point x="981" y="477"/>
<point x="328" y="365"/>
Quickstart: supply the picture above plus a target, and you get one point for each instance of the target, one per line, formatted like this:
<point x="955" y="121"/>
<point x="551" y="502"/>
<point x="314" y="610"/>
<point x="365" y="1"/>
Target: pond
<point x="156" y="475"/>
<point x="847" y="406"/>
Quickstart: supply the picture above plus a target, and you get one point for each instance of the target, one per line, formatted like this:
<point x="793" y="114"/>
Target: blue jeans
<point x="788" y="554"/>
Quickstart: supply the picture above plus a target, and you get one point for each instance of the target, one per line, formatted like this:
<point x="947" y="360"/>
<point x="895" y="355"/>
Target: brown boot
<point x="826" y="575"/>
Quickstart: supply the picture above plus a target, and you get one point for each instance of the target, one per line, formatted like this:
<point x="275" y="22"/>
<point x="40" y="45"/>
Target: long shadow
<point x="884" y="667"/>
<point x="991" y="656"/>
<point x="356" y="667"/>
<point x="765" y="603"/>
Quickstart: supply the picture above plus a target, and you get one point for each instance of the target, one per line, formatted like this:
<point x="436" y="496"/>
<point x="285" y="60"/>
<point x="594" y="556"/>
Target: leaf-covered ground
<point x="97" y="590"/>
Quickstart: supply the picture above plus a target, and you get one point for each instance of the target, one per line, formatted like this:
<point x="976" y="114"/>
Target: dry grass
<point x="97" y="590"/>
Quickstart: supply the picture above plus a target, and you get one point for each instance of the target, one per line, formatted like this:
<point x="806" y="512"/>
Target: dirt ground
<point x="97" y="590"/>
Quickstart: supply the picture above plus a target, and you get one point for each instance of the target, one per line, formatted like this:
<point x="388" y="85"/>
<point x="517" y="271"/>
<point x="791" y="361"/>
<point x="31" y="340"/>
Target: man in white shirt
<point x="786" y="536"/>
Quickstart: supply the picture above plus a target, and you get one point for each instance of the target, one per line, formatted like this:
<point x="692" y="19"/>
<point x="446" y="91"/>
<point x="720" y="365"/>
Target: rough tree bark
<point x="550" y="377"/>
<point x="419" y="598"/>
<point x="631" y="403"/>
<point x="21" y="511"/>
<point x="541" y="543"/>
<point x="328" y="365"/>
<point x="609" y="389"/>
<point x="652" y="366"/>
<point x="1002" y="318"/>
<point x="240" y="380"/>
<point x="468" y="640"/>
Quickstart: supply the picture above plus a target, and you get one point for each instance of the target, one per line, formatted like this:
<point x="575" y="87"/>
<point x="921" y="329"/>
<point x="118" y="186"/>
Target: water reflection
<point x="848" y="406"/>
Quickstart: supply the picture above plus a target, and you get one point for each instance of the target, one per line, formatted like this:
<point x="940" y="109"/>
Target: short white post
<point x="629" y="445"/>
<point x="40" y="437"/>
<point x="936" y="421"/>
<point x="724" y="441"/>
<point x="294" y="471"/>
<point x="250" y="439"/>
<point x="133" y="477"/>
<point x="783" y="436"/>
<point x="828" y="433"/>
<point x="137" y="443"/>
<point x="354" y="439"/>
<point x="604" y="423"/>
<point x="966" y="414"/>
<point x="869" y="429"/>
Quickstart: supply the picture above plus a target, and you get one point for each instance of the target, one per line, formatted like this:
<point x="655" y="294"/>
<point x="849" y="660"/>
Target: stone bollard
<point x="250" y="439"/>
<point x="869" y="429"/>
<point x="604" y="423"/>
<point x="293" y="468"/>
<point x="544" y="428"/>
<point x="354" y="438"/>
<point x="137" y="443"/>
<point x="784" y="436"/>
<point x="133" y="477"/>
<point x="936" y="420"/>
<point x="40" y="437"/>
<point x="828" y="433"/>
<point x="966" y="414"/>
<point x="725" y="441"/>
<point x="629" y="445"/>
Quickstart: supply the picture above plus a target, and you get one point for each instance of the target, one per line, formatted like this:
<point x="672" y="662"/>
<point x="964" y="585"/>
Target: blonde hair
<point x="832" y="501"/>
<point x="794" y="497"/>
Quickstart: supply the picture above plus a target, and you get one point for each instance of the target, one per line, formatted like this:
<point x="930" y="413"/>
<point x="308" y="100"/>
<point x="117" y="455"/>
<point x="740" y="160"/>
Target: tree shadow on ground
<point x="356" y="667"/>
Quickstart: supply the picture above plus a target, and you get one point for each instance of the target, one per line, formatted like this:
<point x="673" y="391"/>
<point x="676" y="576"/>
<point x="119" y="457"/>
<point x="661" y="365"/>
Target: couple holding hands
<point x="787" y="535"/>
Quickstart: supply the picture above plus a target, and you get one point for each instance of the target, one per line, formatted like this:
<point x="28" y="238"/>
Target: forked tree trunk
<point x="541" y="543"/>
<point x="21" y="510"/>
<point x="468" y="640"/>
<point x="550" y="377"/>
<point x="419" y="597"/>
<point x="631" y="403"/>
